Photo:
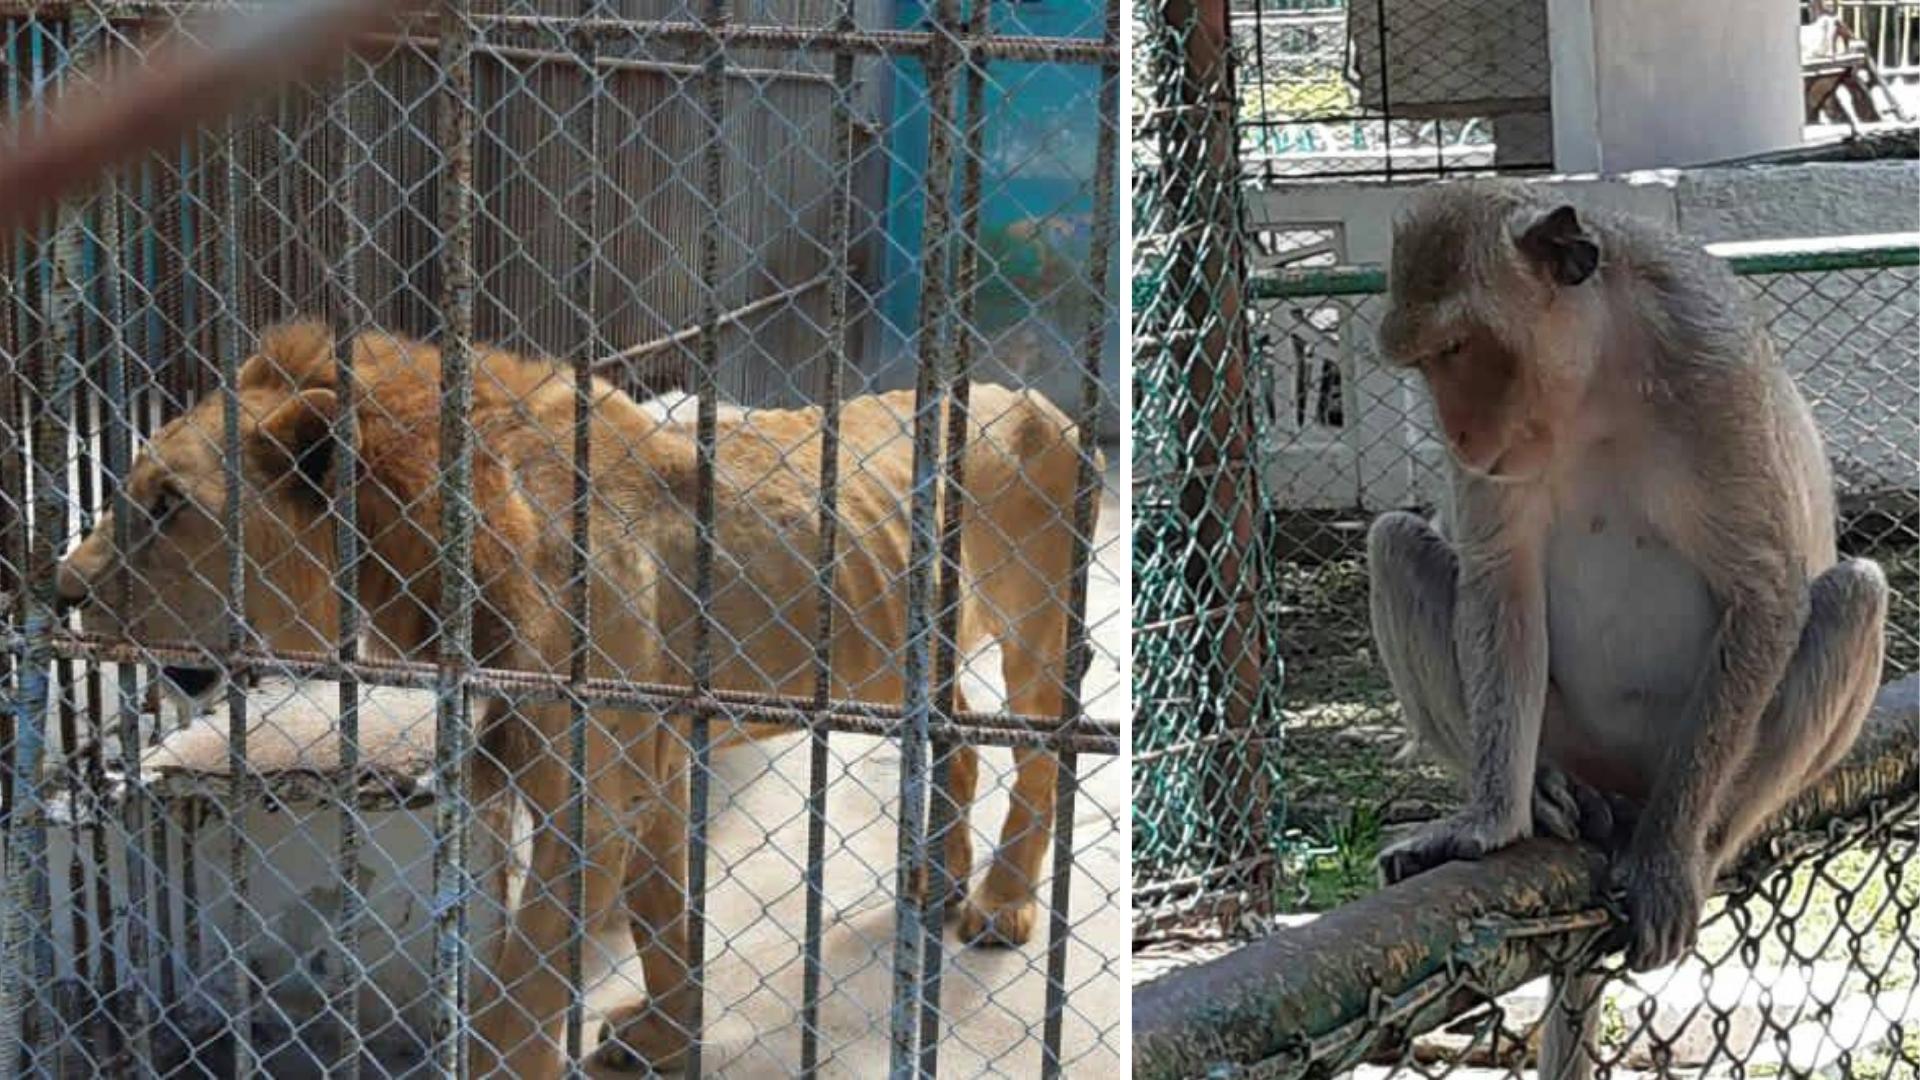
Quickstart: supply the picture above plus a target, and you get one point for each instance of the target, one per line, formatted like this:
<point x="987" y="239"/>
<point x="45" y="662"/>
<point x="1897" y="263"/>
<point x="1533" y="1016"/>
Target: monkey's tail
<point x="1573" y="1009"/>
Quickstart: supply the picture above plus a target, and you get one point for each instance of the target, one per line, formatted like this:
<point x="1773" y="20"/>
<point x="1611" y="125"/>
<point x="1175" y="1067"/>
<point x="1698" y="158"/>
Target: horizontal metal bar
<point x="1748" y="259"/>
<point x="1289" y="1001"/>
<point x="1084" y="734"/>
<point x="729" y="318"/>
<point x="799" y="38"/>
<point x="609" y="63"/>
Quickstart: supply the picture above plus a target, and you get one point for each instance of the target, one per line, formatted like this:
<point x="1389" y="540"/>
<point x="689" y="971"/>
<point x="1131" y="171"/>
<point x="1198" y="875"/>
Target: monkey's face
<point x="1487" y="301"/>
<point x="1489" y="411"/>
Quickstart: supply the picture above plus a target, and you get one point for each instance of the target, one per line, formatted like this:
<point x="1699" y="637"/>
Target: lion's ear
<point x="297" y="438"/>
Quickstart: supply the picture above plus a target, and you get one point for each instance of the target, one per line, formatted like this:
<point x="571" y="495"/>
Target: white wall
<point x="1641" y="84"/>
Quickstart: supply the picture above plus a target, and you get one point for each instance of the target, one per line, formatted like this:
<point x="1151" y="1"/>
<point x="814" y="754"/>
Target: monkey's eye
<point x="1444" y="355"/>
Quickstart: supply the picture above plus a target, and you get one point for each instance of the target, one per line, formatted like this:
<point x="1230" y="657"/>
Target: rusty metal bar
<point x="607" y="63"/>
<point x="228" y="336"/>
<point x="988" y="729"/>
<point x="714" y="15"/>
<point x="344" y="993"/>
<point x="454" y="738"/>
<point x="1086" y="492"/>
<point x="584" y="216"/>
<point x="941" y="812"/>
<point x="839" y="348"/>
<point x="802" y="39"/>
<point x="141" y="935"/>
<point x="915" y="733"/>
<point x="1288" y="1002"/>
<point x="183" y="85"/>
<point x="84" y="913"/>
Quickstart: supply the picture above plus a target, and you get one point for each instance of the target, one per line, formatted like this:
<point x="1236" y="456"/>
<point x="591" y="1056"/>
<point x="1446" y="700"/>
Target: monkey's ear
<point x="1562" y="246"/>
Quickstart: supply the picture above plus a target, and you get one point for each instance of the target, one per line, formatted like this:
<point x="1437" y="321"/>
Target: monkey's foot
<point x="638" y="1039"/>
<point x="1570" y="809"/>
<point x="1462" y="836"/>
<point x="1665" y="895"/>
<point x="990" y="920"/>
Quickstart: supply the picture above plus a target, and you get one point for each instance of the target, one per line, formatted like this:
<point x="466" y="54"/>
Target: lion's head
<point x="175" y="587"/>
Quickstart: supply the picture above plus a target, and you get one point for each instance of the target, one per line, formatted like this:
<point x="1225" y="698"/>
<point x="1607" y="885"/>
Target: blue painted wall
<point x="1037" y="292"/>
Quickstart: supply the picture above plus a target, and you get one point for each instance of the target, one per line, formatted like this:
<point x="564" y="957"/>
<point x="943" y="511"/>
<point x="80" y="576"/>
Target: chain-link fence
<point x="1205" y="802"/>
<point x="381" y="707"/>
<point x="1392" y="87"/>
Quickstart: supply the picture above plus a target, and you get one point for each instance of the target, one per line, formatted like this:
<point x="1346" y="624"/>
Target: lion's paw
<point x="638" y="1039"/>
<point x="987" y="921"/>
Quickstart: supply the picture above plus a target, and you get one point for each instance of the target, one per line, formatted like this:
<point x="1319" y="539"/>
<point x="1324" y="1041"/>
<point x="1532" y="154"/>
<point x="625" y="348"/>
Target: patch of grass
<point x="1338" y="868"/>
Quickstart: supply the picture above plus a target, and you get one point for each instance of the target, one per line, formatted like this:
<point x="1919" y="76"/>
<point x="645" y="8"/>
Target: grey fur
<point x="1647" y="640"/>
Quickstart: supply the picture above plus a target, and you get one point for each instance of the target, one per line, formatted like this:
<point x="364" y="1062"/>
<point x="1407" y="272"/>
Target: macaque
<point x="1629" y="624"/>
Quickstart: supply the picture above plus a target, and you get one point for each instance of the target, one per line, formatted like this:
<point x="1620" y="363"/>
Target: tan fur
<point x="1021" y="465"/>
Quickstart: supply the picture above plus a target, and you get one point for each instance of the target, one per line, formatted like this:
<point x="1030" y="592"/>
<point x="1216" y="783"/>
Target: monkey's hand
<point x="1468" y="834"/>
<point x="1665" y="887"/>
<point x="1570" y="809"/>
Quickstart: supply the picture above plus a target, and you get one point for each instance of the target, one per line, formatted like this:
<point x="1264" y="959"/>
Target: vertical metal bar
<point x="344" y="994"/>
<point x="1087" y="481"/>
<point x="928" y="388"/>
<point x="227" y="340"/>
<point x="87" y="28"/>
<point x="707" y="384"/>
<point x="28" y="953"/>
<point x="453" y="749"/>
<point x="112" y="406"/>
<point x="839" y="228"/>
<point x="953" y="509"/>
<point x="1386" y="77"/>
<point x="585" y="284"/>
<point x="140" y="935"/>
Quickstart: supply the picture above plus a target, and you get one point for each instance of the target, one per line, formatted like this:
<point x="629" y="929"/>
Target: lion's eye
<point x="164" y="504"/>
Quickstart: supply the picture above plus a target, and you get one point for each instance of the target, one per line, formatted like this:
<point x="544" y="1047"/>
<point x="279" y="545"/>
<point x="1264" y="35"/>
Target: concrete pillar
<point x="1646" y="84"/>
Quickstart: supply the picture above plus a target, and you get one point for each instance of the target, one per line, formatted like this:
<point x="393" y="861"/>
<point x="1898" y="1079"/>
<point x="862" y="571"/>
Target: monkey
<point x="1628" y="623"/>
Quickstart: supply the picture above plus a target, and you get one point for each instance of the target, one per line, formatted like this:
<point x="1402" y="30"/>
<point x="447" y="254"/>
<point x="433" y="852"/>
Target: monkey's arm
<point x="1499" y="640"/>
<point x="1500" y="643"/>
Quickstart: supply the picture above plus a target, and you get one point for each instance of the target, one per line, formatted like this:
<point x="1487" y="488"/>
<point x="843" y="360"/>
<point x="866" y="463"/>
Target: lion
<point x="1016" y="544"/>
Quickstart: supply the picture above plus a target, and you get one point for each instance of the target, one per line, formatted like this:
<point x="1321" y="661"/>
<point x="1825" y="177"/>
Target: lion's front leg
<point x="521" y="1003"/>
<point x="1006" y="907"/>
<point x="655" y="1033"/>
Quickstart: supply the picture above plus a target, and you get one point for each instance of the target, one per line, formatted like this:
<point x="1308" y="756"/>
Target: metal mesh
<point x="1805" y="964"/>
<point x="1392" y="87"/>
<point x="1204" y="685"/>
<point x="432" y="708"/>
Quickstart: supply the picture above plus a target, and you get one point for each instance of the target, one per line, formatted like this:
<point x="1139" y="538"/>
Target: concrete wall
<point x="1640" y="84"/>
